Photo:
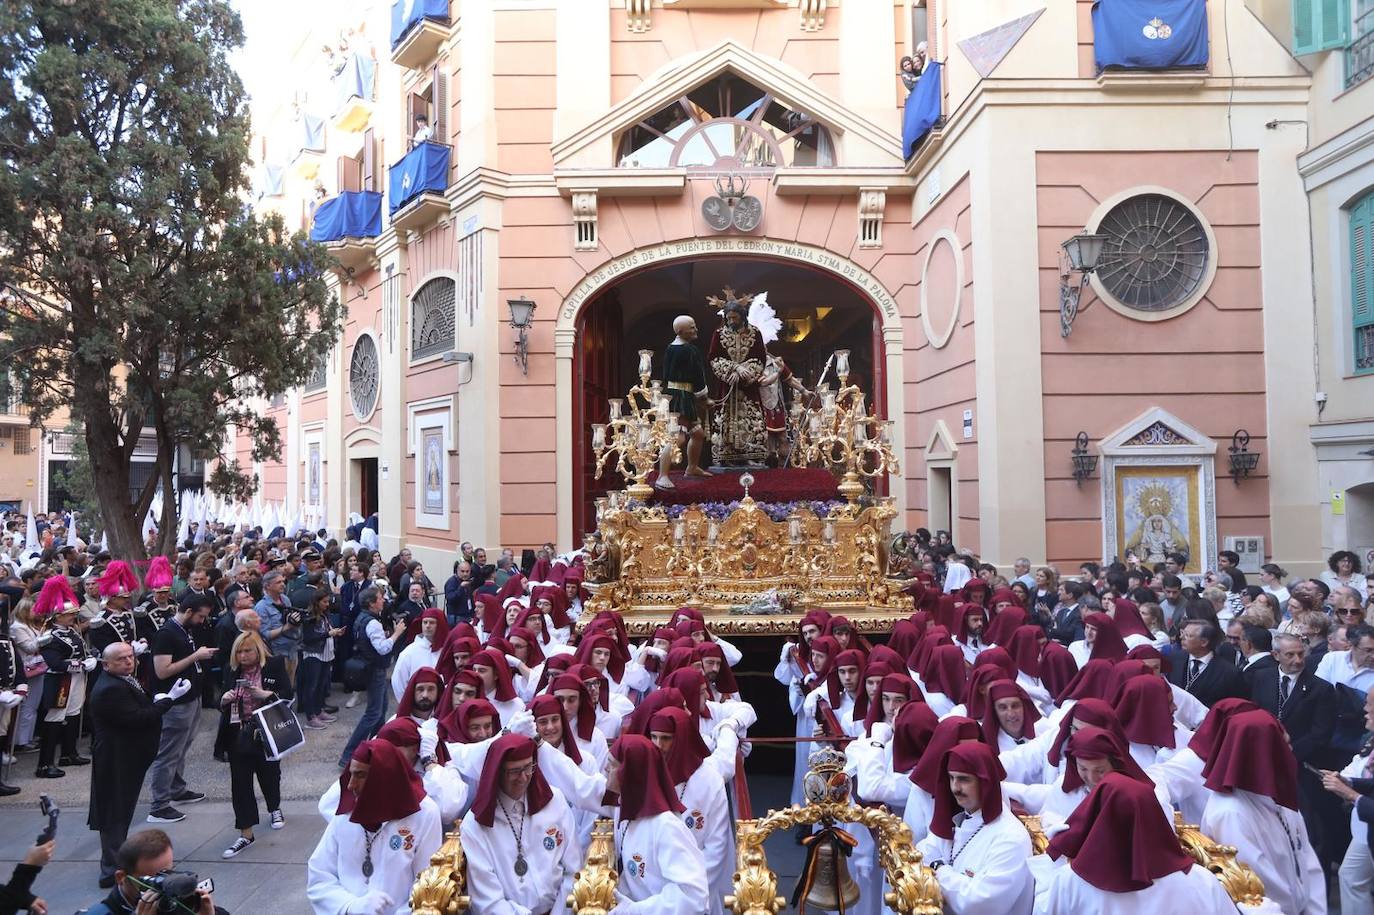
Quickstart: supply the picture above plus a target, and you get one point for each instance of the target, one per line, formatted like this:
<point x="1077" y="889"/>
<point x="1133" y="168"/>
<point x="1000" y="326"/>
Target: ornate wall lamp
<point x="1243" y="460"/>
<point x="521" y="317"/>
<point x="1084" y="464"/>
<point x="1081" y="256"/>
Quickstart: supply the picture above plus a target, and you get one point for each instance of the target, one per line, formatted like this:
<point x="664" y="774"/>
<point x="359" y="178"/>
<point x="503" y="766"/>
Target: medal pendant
<point x="521" y="868"/>
<point x="367" y="867"/>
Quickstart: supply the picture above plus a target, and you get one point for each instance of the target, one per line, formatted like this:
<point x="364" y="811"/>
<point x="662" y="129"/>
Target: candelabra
<point x="638" y="437"/>
<point x="843" y="435"/>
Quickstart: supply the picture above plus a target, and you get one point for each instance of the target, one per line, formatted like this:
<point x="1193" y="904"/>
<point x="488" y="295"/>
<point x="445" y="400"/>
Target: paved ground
<point x="269" y="876"/>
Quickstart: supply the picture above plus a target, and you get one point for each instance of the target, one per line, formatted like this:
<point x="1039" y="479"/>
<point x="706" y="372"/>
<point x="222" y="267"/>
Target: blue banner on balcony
<point x="355" y="79"/>
<point x="405" y="14"/>
<point x="1149" y="34"/>
<point x="922" y="109"/>
<point x="424" y="168"/>
<point x="352" y="214"/>
<point x="311" y="136"/>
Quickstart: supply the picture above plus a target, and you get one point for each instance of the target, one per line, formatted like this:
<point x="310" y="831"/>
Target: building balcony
<point x="355" y="93"/>
<point x="416" y="186"/>
<point x="1359" y="55"/>
<point x="309" y="145"/>
<point x="13" y="410"/>
<point x="348" y="226"/>
<point x="419" y="29"/>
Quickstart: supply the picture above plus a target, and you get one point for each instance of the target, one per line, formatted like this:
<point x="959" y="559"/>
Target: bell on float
<point x="832" y="889"/>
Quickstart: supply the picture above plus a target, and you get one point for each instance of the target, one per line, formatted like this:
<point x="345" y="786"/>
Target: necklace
<point x="521" y="867"/>
<point x="955" y="857"/>
<point x="369" y="836"/>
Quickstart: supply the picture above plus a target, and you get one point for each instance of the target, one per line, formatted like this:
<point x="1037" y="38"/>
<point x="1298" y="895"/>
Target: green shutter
<point x="1362" y="282"/>
<point x="1320" y="25"/>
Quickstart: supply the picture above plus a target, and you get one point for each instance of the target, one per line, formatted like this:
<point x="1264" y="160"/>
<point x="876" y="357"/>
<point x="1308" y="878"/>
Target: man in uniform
<point x="684" y="375"/>
<point x="64" y="685"/>
<point x="118" y="623"/>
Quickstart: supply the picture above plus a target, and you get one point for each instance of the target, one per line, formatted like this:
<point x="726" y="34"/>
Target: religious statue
<point x="737" y="357"/>
<point x="775" y="375"/>
<point x="1157" y="535"/>
<point x="684" y="378"/>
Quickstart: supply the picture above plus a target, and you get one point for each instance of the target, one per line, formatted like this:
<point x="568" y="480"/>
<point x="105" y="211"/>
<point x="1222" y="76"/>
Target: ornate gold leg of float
<point x="440" y="888"/>
<point x="593" y="891"/>
<point x="1242" y="884"/>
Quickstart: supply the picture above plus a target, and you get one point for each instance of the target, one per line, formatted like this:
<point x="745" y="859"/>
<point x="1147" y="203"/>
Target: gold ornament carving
<point x="439" y="889"/>
<point x="593" y="891"/>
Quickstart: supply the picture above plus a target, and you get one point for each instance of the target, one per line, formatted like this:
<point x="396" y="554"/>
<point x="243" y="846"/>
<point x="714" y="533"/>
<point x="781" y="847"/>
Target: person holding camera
<point x="373" y="647"/>
<point x="147" y="884"/>
<point x="254" y="679"/>
<point x="281" y="622"/>
<point x="317" y="657"/>
<point x="17" y="895"/>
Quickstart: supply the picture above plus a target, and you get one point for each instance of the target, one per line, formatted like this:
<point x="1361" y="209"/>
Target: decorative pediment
<point x="940" y="446"/>
<point x="866" y="143"/>
<point x="1157" y="431"/>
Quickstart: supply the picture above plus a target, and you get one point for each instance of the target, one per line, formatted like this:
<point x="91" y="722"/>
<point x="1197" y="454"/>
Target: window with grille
<point x="1362" y="282"/>
<point x="1155" y="255"/>
<point x="23" y="441"/>
<point x="432" y="318"/>
<point x="319" y="375"/>
<point x="364" y="376"/>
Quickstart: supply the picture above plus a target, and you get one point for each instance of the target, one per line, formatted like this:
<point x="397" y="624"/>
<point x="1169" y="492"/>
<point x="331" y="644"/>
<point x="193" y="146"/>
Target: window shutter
<point x="1320" y="25"/>
<point x="439" y="94"/>
<point x="1362" y="282"/>
<point x="350" y="173"/>
<point x="369" y="161"/>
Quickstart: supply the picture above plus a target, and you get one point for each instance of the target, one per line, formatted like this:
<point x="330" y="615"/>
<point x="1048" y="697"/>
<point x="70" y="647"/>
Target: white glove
<point x="88" y="664"/>
<point x="429" y="742"/>
<point x="179" y="688"/>
<point x="140" y="647"/>
<point x="9" y="699"/>
<point x="656" y="652"/>
<point x="522" y="723"/>
<point x="374" y="903"/>
<point x="787" y="650"/>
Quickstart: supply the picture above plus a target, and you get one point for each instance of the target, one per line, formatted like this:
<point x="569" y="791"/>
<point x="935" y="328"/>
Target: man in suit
<point x="1306" y="706"/>
<point x="127" y="726"/>
<point x="1202" y="673"/>
<point x="1256" y="647"/>
<point x="1067" y="621"/>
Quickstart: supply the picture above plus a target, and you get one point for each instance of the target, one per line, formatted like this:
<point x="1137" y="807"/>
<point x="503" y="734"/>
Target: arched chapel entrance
<point x="822" y="310"/>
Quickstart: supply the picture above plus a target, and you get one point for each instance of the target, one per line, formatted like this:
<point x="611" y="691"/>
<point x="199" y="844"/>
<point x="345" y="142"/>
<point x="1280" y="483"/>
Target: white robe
<point x="550" y="854"/>
<point x="1146" y="755"/>
<point x="1054" y="805"/>
<point x="583" y="786"/>
<point x="507" y="708"/>
<point x="989" y="876"/>
<point x="400" y="851"/>
<point x="416" y="655"/>
<point x="1273" y="840"/>
<point x="444" y="786"/>
<point x="971" y="652"/>
<point x="919" y="808"/>
<point x="1181" y="774"/>
<point x="708" y="820"/>
<point x="662" y="870"/>
<point x="609" y="721"/>
<point x="1196" y="891"/>
<point x="789" y="675"/>
<point x="1081" y="651"/>
<point x="1007" y="743"/>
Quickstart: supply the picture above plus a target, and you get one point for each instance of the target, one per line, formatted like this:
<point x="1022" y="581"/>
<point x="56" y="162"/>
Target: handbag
<point x="279" y="730"/>
<point x="36" y="667"/>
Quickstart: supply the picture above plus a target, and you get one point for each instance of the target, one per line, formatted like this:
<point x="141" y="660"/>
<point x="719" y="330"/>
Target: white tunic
<point x="416" y="655"/>
<point x="985" y="869"/>
<point x="1273" y="840"/>
<point x="400" y="851"/>
<point x="1055" y="805"/>
<point x="1196" y="891"/>
<point x="662" y="870"/>
<point x="708" y="820"/>
<point x="1181" y="775"/>
<point x="546" y="841"/>
<point x="919" y="808"/>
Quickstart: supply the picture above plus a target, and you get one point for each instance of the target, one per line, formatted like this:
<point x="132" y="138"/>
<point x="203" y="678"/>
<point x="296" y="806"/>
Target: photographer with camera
<point x="373" y="648"/>
<point x="146" y="882"/>
<point x="281" y="622"/>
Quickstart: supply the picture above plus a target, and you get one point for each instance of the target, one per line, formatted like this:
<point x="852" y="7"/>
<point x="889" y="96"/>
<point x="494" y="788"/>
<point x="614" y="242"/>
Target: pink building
<point x="578" y="161"/>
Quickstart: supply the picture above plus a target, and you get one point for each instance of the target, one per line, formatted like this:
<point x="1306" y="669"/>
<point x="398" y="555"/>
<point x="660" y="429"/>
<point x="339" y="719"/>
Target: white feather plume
<point x="764" y="318"/>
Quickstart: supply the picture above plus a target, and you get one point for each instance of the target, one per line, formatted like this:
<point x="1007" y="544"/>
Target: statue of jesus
<point x="737" y="359"/>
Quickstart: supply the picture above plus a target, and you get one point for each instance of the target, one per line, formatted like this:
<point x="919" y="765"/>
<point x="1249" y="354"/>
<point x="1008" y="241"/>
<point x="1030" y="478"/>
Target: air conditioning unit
<point x="1250" y="550"/>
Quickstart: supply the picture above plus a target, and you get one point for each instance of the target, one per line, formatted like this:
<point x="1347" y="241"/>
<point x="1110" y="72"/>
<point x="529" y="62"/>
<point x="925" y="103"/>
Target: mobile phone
<point x="52" y="812"/>
<point x="1317" y="772"/>
<point x="241" y="686"/>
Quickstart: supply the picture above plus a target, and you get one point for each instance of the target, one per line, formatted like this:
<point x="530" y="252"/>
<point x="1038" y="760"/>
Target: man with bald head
<point x="684" y="378"/>
<point x="127" y="726"/>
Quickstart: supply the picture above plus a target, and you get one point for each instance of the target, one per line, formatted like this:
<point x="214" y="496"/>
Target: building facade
<point x="615" y="163"/>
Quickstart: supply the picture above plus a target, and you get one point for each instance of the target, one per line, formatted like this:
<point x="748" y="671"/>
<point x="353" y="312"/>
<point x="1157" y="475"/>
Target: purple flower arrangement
<point x="776" y="511"/>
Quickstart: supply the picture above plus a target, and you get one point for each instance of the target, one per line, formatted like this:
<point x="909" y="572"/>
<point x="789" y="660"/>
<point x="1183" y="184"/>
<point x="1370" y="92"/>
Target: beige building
<point x="576" y="154"/>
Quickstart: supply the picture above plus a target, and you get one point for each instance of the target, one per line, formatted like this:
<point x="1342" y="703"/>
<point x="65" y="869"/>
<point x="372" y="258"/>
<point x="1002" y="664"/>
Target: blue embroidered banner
<point x="922" y="109"/>
<point x="1150" y="34"/>
<point x="424" y="168"/>
<point x="406" y="13"/>
<point x="352" y="214"/>
<point x="356" y="78"/>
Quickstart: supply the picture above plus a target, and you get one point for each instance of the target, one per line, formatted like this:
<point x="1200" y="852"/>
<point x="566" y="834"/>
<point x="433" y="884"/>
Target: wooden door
<point x="596" y="379"/>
